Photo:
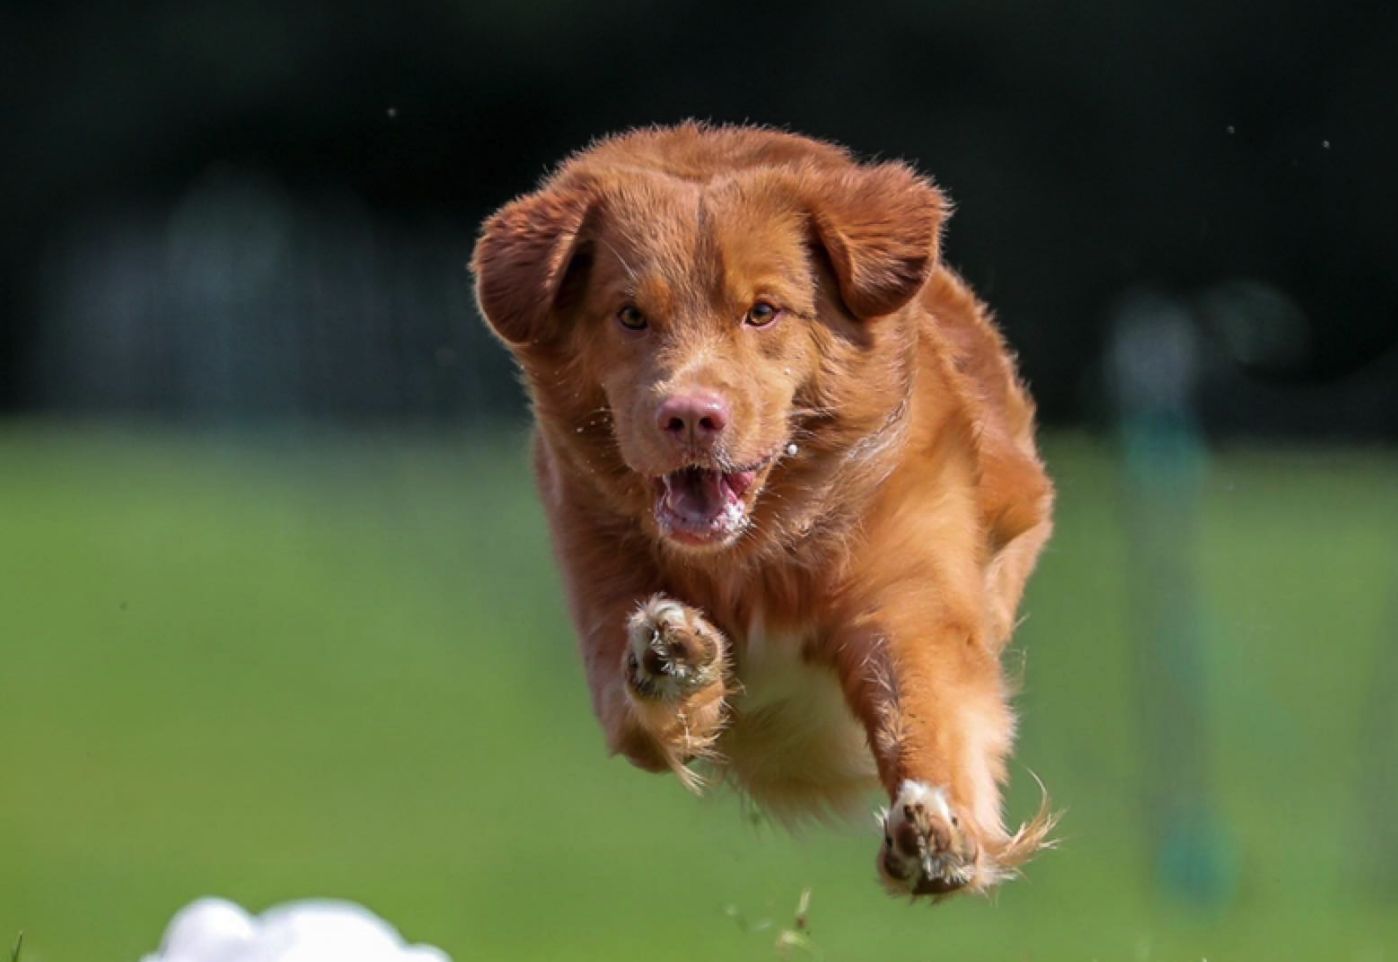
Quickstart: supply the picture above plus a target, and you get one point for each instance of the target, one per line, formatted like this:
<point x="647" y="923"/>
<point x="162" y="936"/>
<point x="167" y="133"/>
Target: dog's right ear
<point x="522" y="257"/>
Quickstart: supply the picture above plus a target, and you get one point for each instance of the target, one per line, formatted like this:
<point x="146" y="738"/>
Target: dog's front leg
<point x="675" y="672"/>
<point x="933" y="701"/>
<point x="656" y="667"/>
<point x="658" y="673"/>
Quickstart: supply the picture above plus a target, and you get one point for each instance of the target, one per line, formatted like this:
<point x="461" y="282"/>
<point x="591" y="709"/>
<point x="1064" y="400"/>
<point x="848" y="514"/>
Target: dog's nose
<point x="695" y="418"/>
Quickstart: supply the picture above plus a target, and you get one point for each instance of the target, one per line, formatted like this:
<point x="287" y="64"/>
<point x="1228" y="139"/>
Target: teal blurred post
<point x="1152" y="370"/>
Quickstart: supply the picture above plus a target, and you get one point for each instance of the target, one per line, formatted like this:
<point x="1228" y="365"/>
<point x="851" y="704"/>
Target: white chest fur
<point x="793" y="744"/>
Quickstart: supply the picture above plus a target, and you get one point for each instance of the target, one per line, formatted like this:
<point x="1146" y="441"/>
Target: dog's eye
<point x="631" y="318"/>
<point x="761" y="314"/>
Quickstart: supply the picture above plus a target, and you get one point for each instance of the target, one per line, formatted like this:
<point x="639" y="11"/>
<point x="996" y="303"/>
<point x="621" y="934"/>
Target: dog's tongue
<point x="696" y="494"/>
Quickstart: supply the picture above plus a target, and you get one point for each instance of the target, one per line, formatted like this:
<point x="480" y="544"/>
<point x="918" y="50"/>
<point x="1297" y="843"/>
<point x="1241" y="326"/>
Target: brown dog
<point x="790" y="473"/>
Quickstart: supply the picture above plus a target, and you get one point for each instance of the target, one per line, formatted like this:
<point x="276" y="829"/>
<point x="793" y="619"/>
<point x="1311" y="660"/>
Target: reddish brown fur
<point x="897" y="541"/>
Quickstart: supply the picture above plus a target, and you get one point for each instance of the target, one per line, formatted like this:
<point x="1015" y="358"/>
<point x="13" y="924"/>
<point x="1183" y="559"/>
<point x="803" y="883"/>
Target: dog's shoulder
<point x="1014" y="490"/>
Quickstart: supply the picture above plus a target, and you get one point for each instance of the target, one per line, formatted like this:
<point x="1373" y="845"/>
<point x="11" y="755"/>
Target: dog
<point x="791" y="479"/>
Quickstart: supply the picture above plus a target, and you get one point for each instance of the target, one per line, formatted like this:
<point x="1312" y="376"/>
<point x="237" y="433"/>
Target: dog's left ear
<point x="522" y="257"/>
<point x="881" y="228"/>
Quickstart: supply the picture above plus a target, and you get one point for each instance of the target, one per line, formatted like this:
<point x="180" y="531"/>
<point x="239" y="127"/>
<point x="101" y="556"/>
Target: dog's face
<point x="700" y="346"/>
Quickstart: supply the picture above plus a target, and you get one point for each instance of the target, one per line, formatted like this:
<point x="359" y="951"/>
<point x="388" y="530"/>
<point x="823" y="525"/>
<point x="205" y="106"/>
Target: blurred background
<point x="277" y="611"/>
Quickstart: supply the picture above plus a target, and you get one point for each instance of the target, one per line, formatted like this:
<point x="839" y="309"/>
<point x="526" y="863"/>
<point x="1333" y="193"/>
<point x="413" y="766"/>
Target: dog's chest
<point x="793" y="742"/>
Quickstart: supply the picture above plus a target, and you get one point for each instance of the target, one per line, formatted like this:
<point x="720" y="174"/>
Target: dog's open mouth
<point x="704" y="506"/>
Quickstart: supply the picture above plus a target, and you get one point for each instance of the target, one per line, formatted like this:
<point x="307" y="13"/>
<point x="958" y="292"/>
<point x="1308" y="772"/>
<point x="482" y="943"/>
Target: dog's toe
<point x="927" y="848"/>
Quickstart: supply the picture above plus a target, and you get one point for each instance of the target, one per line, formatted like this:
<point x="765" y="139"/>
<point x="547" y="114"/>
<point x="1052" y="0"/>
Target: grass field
<point x="278" y="666"/>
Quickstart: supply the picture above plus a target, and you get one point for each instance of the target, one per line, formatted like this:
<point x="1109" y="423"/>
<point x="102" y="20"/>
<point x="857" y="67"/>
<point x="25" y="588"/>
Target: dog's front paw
<point x="928" y="849"/>
<point x="674" y="669"/>
<point x="671" y="652"/>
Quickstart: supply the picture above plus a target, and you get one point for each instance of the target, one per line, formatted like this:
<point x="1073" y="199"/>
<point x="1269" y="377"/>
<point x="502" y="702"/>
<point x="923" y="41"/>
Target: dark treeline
<point x="265" y="207"/>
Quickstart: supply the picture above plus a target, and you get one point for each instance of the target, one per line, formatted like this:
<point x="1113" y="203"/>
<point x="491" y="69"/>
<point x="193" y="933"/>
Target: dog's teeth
<point x="791" y="450"/>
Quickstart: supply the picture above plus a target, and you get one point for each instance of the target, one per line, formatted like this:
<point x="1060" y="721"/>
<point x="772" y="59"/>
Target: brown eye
<point x="631" y="318"/>
<point x="761" y="314"/>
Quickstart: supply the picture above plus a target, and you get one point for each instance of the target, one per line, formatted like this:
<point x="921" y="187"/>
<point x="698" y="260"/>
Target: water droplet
<point x="392" y="112"/>
<point x="1231" y="129"/>
<point x="1325" y="145"/>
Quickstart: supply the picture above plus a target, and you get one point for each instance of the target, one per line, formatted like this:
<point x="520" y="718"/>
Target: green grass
<point x="277" y="667"/>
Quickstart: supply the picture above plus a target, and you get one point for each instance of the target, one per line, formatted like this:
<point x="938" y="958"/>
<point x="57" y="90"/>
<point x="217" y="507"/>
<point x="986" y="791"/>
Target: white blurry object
<point x="215" y="930"/>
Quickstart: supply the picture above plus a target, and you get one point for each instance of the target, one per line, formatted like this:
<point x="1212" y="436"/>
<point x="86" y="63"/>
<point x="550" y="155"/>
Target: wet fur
<point x="888" y="553"/>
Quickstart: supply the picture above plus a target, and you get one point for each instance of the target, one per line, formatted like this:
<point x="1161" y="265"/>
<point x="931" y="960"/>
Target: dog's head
<point x="710" y="342"/>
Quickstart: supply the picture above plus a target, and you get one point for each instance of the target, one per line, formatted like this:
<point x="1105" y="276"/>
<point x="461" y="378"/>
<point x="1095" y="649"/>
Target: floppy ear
<point x="881" y="228"/>
<point x="522" y="257"/>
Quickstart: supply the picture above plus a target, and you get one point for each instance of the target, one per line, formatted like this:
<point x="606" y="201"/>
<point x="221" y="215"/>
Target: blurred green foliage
<point x="280" y="666"/>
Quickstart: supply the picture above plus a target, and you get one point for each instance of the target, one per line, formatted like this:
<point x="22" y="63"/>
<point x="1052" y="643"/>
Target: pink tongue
<point x="695" y="493"/>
